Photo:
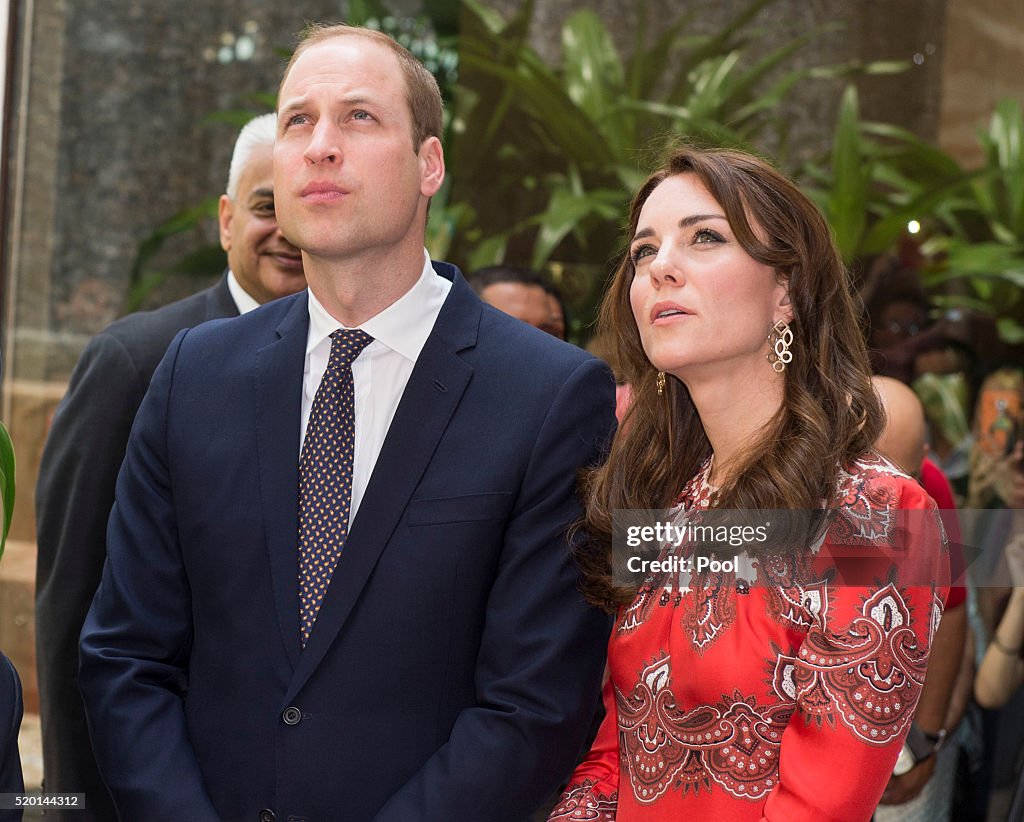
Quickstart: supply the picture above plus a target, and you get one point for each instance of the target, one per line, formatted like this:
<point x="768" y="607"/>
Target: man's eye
<point x="297" y="120"/>
<point x="361" y="115"/>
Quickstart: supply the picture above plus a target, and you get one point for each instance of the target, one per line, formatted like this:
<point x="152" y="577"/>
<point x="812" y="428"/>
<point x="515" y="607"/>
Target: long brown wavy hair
<point x="829" y="417"/>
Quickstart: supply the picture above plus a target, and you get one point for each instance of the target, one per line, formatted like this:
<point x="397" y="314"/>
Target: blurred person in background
<point x="900" y="327"/>
<point x="997" y="490"/>
<point x="922" y="786"/>
<point x="11" y="706"/>
<point x="524" y="294"/>
<point x="932" y="355"/>
<point x="11" y="710"/>
<point x="1001" y="672"/>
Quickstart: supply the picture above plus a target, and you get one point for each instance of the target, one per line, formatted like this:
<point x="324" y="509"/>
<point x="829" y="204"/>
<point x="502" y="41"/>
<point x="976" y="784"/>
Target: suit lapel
<point x="279" y="372"/>
<point x="435" y="388"/>
<point x="219" y="302"/>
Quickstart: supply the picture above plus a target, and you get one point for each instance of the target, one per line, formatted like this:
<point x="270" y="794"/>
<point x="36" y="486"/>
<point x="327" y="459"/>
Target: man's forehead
<point x="511" y="291"/>
<point x="329" y="60"/>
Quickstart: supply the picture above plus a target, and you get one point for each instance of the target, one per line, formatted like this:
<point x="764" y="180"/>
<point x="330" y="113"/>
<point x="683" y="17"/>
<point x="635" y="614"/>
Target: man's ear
<point x="225" y="212"/>
<point x="431" y="157"/>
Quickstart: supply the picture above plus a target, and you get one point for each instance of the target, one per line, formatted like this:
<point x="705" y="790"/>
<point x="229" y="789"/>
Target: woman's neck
<point x="735" y="412"/>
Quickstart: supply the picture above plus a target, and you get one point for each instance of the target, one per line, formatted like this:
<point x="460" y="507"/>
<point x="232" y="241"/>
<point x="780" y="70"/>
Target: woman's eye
<point x="706" y="235"/>
<point x="641" y="251"/>
<point x="297" y="120"/>
<point x="361" y="115"/>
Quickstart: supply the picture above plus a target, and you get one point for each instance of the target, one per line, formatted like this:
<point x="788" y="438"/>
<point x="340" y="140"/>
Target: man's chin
<point x="283" y="286"/>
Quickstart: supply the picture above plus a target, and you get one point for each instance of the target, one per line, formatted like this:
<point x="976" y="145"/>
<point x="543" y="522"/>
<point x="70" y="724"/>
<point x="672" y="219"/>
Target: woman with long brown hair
<point x="779" y="686"/>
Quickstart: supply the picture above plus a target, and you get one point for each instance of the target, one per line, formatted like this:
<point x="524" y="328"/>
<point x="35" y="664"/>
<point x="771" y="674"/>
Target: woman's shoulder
<point x="873" y="478"/>
<point x="887" y="526"/>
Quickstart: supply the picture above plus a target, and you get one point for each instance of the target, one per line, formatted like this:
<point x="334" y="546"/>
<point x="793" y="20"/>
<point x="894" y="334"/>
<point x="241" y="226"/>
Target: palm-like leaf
<point x="980" y="241"/>
<point x="847" y="203"/>
<point x="1001" y="193"/>
<point x="531" y="127"/>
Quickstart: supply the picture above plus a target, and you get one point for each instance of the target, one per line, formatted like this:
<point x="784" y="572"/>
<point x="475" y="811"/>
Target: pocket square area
<point x="466" y="508"/>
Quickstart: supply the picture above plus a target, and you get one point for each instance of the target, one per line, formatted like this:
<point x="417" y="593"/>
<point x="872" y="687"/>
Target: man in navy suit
<point x="87" y="442"/>
<point x="452" y="669"/>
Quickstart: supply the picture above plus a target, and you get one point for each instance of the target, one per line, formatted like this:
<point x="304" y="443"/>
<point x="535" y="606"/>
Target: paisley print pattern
<point x="869" y="675"/>
<point x="733" y="743"/>
<point x="710" y="674"/>
<point x="709" y="610"/>
<point x="582" y="803"/>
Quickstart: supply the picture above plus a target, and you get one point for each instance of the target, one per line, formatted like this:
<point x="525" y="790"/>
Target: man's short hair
<point x="259" y="131"/>
<point x="421" y="90"/>
<point x="494" y="274"/>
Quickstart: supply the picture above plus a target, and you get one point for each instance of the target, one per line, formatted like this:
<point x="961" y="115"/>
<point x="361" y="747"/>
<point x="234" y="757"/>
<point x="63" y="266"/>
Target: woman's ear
<point x="783" y="305"/>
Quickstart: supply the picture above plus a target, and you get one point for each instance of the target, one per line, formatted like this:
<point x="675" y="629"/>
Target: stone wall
<point x="982" y="64"/>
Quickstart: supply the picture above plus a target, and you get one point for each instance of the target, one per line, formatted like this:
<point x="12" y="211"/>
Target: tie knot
<point x="346" y="345"/>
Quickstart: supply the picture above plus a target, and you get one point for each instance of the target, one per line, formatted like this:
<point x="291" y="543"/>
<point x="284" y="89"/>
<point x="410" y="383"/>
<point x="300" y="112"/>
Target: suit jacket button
<point x="292" y="715"/>
<point x="266" y="815"/>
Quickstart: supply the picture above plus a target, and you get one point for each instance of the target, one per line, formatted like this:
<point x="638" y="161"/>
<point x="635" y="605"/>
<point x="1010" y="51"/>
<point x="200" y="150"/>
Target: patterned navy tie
<point x="325" y="475"/>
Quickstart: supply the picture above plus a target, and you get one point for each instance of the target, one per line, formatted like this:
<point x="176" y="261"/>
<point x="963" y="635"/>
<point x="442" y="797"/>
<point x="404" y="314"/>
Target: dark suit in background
<point x="454" y="667"/>
<point x="83" y="453"/>
<point x="11" y="709"/>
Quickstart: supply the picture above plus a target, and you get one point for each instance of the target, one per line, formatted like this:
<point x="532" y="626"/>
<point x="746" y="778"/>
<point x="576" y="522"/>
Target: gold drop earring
<point x="781" y="338"/>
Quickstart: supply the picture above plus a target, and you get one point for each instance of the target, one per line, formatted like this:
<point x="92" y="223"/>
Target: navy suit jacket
<point x="79" y="468"/>
<point x="11" y="710"/>
<point x="453" y="669"/>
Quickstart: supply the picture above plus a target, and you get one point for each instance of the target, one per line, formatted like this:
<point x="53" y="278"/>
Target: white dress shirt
<point x="243" y="300"/>
<point x="382" y="369"/>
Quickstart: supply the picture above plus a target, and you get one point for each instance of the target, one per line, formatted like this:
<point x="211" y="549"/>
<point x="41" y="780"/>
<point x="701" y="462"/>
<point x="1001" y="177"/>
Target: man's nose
<point x="324" y="144"/>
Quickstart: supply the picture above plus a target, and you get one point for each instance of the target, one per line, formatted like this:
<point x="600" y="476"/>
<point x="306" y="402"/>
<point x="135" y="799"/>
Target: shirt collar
<point x="403" y="326"/>
<point x="243" y="300"/>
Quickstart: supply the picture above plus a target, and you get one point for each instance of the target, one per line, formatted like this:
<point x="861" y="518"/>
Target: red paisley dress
<point x="787" y="699"/>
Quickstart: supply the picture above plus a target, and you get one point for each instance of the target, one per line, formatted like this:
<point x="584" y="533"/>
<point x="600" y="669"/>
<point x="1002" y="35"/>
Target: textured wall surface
<point x="112" y="136"/>
<point x="983" y="62"/>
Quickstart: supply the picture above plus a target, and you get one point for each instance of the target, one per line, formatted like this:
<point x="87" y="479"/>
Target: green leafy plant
<point x="205" y="261"/>
<point x="879" y="178"/>
<point x="978" y="251"/>
<point x="545" y="157"/>
<point x="876" y="179"/>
